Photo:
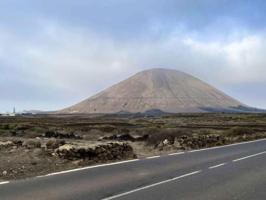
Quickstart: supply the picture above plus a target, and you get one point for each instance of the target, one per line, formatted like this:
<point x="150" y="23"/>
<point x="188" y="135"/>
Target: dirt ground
<point x="42" y="144"/>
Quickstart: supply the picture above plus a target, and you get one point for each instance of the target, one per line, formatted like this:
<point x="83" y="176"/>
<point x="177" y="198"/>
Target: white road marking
<point x="216" y="166"/>
<point x="178" y="153"/>
<point x="153" y="157"/>
<point x="89" y="167"/>
<point x="250" y="156"/>
<point x="152" y="185"/>
<point x="228" y="145"/>
<point x="5" y="182"/>
<point x="196" y="150"/>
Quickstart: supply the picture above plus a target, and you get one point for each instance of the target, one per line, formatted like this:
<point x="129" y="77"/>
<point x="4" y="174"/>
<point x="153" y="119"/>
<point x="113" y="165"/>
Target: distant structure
<point x="13" y="114"/>
<point x="10" y="114"/>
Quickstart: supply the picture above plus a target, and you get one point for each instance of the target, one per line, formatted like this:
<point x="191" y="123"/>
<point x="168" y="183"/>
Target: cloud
<point x="243" y="60"/>
<point x="51" y="58"/>
<point x="128" y="19"/>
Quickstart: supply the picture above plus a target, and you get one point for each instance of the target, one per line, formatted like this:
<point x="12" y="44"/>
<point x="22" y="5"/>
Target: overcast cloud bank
<point x="54" y="54"/>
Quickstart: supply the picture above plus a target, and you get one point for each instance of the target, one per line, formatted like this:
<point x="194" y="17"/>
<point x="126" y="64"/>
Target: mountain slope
<point x="161" y="89"/>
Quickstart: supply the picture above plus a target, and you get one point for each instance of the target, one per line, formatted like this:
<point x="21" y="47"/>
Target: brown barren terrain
<point x="41" y="144"/>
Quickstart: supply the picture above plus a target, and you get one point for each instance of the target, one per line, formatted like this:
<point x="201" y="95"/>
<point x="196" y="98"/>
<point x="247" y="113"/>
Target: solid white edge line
<point x="152" y="185"/>
<point x="5" y="182"/>
<point x="250" y="156"/>
<point x="216" y="166"/>
<point x="178" y="153"/>
<point x="153" y="157"/>
<point x="228" y="145"/>
<point x="89" y="167"/>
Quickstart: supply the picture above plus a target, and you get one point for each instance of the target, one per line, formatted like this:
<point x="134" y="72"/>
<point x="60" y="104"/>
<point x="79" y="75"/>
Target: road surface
<point x="229" y="172"/>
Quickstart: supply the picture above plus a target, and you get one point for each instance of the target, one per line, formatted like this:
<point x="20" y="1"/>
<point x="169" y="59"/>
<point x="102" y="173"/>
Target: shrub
<point x="31" y="144"/>
<point x="22" y="127"/>
<point x="54" y="144"/>
<point x="169" y="134"/>
<point x="207" y="131"/>
<point x="6" y="127"/>
<point x="239" y="131"/>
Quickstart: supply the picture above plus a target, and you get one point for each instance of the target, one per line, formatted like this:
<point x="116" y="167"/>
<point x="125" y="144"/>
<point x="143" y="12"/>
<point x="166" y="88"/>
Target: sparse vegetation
<point x="240" y="131"/>
<point x="29" y="146"/>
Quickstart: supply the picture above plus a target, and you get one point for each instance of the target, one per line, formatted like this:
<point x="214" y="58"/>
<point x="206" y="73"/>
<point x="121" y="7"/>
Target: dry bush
<point x="22" y="127"/>
<point x="208" y="131"/>
<point x="5" y="126"/>
<point x="161" y="134"/>
<point x="54" y="143"/>
<point x="31" y="144"/>
<point x="107" y="129"/>
<point x="239" y="131"/>
<point x="93" y="134"/>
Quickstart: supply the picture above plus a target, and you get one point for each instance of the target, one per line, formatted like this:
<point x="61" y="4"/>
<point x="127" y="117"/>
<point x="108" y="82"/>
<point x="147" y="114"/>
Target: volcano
<point x="165" y="90"/>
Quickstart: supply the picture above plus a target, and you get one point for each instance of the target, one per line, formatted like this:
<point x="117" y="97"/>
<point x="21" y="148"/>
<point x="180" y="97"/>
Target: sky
<point x="55" y="53"/>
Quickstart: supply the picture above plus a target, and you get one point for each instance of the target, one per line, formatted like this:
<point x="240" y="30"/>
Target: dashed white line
<point x="250" y="156"/>
<point x="152" y="185"/>
<point x="178" y="153"/>
<point x="5" y="182"/>
<point x="153" y="157"/>
<point x="196" y="150"/>
<point x="216" y="166"/>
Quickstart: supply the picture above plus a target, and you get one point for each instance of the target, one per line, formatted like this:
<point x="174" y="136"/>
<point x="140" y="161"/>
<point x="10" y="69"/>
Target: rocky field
<point x="42" y="144"/>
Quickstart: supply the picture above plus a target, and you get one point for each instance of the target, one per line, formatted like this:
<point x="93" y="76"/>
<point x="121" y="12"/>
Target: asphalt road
<point x="229" y="172"/>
